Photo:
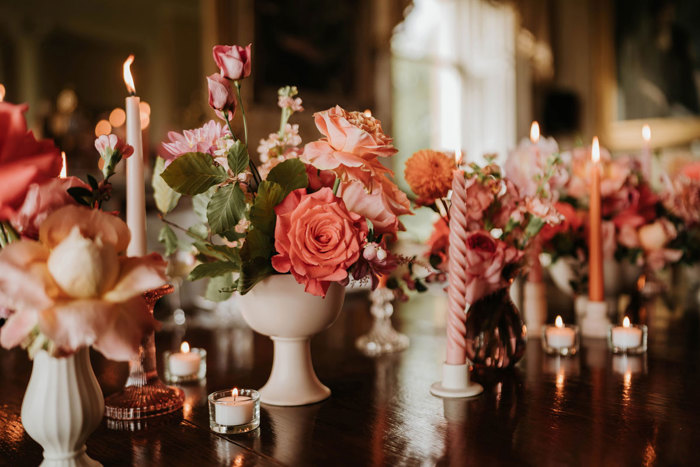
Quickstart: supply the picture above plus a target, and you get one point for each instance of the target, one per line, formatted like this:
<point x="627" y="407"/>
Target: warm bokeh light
<point x="185" y="347"/>
<point x="595" y="151"/>
<point x="626" y="322"/>
<point x="102" y="128"/>
<point x="128" y="79"/>
<point x="535" y="132"/>
<point x="117" y="117"/>
<point x="368" y="113"/>
<point x="145" y="108"/>
<point x="145" y="120"/>
<point x="67" y="101"/>
<point x="646" y="133"/>
<point x="559" y="322"/>
<point x="234" y="393"/>
<point x="2" y="92"/>
<point x="64" y="166"/>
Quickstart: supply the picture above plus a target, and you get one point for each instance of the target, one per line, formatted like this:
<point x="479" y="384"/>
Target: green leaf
<point x="257" y="245"/>
<point x="219" y="252"/>
<point x="198" y="232"/>
<point x="226" y="208"/>
<point x="533" y="227"/>
<point x="93" y="182"/>
<point x="262" y="214"/>
<point x="238" y="157"/>
<point x="219" y="288"/>
<point x="213" y="269"/>
<point x="165" y="197"/>
<point x="168" y="238"/>
<point x="253" y="272"/>
<point x="290" y="175"/>
<point x="193" y="173"/>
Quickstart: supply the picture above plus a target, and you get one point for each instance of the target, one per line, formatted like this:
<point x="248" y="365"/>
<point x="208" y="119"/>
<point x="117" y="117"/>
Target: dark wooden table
<point x="593" y="409"/>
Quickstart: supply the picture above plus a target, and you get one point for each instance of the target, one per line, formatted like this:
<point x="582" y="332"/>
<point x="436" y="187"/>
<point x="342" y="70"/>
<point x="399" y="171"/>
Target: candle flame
<point x="535" y="132"/>
<point x="458" y="157"/>
<point x="64" y="166"/>
<point x="2" y="92"/>
<point x="559" y="322"/>
<point x="626" y="322"/>
<point x="646" y="133"/>
<point x="185" y="347"/>
<point x="368" y="113"/>
<point x="128" y="79"/>
<point x="234" y="393"/>
<point x="595" y="151"/>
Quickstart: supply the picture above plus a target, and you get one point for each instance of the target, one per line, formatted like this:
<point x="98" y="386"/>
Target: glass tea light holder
<point x="628" y="338"/>
<point x="560" y="339"/>
<point x="234" y="411"/>
<point x="185" y="366"/>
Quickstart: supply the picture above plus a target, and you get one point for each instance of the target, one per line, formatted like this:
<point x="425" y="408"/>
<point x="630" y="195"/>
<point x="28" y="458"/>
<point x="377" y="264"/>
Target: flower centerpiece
<point x="309" y="219"/>
<point x="502" y="225"/>
<point x="66" y="283"/>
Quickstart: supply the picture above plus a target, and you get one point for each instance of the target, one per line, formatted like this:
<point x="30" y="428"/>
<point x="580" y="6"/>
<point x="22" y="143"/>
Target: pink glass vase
<point x="144" y="394"/>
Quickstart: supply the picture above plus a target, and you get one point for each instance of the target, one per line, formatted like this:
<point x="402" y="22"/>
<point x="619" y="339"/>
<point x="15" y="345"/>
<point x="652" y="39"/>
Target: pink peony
<point x="221" y="96"/>
<point x="352" y="142"/>
<point x="317" y="239"/>
<point x="528" y="160"/>
<point x="107" y="144"/>
<point x="486" y="257"/>
<point x="42" y="200"/>
<point x="234" y="61"/>
<point x="204" y="139"/>
<point x="76" y="286"/>
<point x="382" y="205"/>
<point x="23" y="159"/>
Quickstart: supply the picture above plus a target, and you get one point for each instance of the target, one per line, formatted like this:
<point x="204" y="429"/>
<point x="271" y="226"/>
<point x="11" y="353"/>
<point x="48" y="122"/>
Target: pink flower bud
<point x="370" y="251"/>
<point x="233" y="60"/>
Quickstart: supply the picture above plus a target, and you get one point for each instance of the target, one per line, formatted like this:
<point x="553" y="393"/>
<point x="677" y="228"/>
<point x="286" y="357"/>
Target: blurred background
<point x="438" y="73"/>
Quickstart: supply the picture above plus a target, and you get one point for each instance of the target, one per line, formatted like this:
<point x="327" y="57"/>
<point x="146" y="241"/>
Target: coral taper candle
<point x="535" y="274"/>
<point x="457" y="287"/>
<point x="135" y="188"/>
<point x="595" y="244"/>
<point x="646" y="152"/>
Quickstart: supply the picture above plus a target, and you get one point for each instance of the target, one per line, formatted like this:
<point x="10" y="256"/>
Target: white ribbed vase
<point x="63" y="405"/>
<point x="279" y="308"/>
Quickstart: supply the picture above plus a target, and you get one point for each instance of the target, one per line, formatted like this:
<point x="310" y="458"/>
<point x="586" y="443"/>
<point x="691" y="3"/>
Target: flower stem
<point x="336" y="184"/>
<point x="237" y="84"/>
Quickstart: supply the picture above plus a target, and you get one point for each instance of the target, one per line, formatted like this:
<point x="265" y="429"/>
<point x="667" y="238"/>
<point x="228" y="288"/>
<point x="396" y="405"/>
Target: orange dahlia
<point x="429" y="174"/>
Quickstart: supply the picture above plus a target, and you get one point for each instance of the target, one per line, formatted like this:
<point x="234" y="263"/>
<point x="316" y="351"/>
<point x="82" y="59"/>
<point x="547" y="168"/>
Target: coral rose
<point x="234" y="61"/>
<point x="382" y="205"/>
<point x="352" y="142"/>
<point x="486" y="257"/>
<point x="77" y="287"/>
<point x="23" y="159"/>
<point x="429" y="174"/>
<point x="317" y="239"/>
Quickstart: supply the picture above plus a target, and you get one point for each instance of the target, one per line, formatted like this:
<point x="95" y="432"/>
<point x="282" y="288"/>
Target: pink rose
<point x="628" y="237"/>
<point x="23" y="159"/>
<point x="77" y="286"/>
<point x="656" y="235"/>
<point x="317" y="239"/>
<point x="221" y="97"/>
<point x="233" y="60"/>
<point x="352" y="143"/>
<point x="486" y="257"/>
<point x="42" y="200"/>
<point x="106" y="145"/>
<point x="479" y="198"/>
<point x="382" y="205"/>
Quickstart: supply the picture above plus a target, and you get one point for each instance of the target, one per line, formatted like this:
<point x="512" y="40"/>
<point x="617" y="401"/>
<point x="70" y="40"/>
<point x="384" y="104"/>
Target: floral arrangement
<point x="502" y="223"/>
<point x="322" y="213"/>
<point x="681" y="199"/>
<point x="66" y="281"/>
<point x="635" y="224"/>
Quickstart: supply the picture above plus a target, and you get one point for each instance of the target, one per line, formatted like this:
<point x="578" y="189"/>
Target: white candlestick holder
<point x="595" y="321"/>
<point x="455" y="383"/>
<point x="535" y="307"/>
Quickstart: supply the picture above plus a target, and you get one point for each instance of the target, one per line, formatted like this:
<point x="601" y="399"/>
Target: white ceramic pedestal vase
<point x="63" y="405"/>
<point x="279" y="308"/>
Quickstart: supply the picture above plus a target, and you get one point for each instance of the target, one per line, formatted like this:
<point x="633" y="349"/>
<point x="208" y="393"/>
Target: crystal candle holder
<point x="185" y="367"/>
<point x="234" y="411"/>
<point x="561" y="340"/>
<point x="630" y="339"/>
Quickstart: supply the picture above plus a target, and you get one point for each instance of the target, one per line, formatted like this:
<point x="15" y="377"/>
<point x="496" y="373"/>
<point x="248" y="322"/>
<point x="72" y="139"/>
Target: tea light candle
<point x="184" y="362"/>
<point x="234" y="409"/>
<point x="559" y="336"/>
<point x="626" y="337"/>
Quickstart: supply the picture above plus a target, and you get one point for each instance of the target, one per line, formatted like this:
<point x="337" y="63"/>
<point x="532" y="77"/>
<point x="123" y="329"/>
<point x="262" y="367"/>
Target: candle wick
<point x="132" y="93"/>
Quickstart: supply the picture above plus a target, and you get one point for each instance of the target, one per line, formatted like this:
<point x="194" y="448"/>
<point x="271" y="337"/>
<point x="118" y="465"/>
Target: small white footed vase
<point x="279" y="308"/>
<point x="63" y="405"/>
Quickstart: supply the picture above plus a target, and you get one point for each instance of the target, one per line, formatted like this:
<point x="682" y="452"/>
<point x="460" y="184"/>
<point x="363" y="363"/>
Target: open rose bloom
<point x="75" y="286"/>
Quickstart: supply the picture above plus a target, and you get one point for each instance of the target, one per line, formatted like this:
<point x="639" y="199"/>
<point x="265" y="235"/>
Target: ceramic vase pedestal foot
<point x="535" y="307"/>
<point x="293" y="380"/>
<point x="595" y="322"/>
<point x="455" y="383"/>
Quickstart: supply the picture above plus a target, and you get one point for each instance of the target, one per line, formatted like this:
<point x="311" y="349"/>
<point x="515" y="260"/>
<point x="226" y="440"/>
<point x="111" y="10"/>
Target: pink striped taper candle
<point x="456" y="290"/>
